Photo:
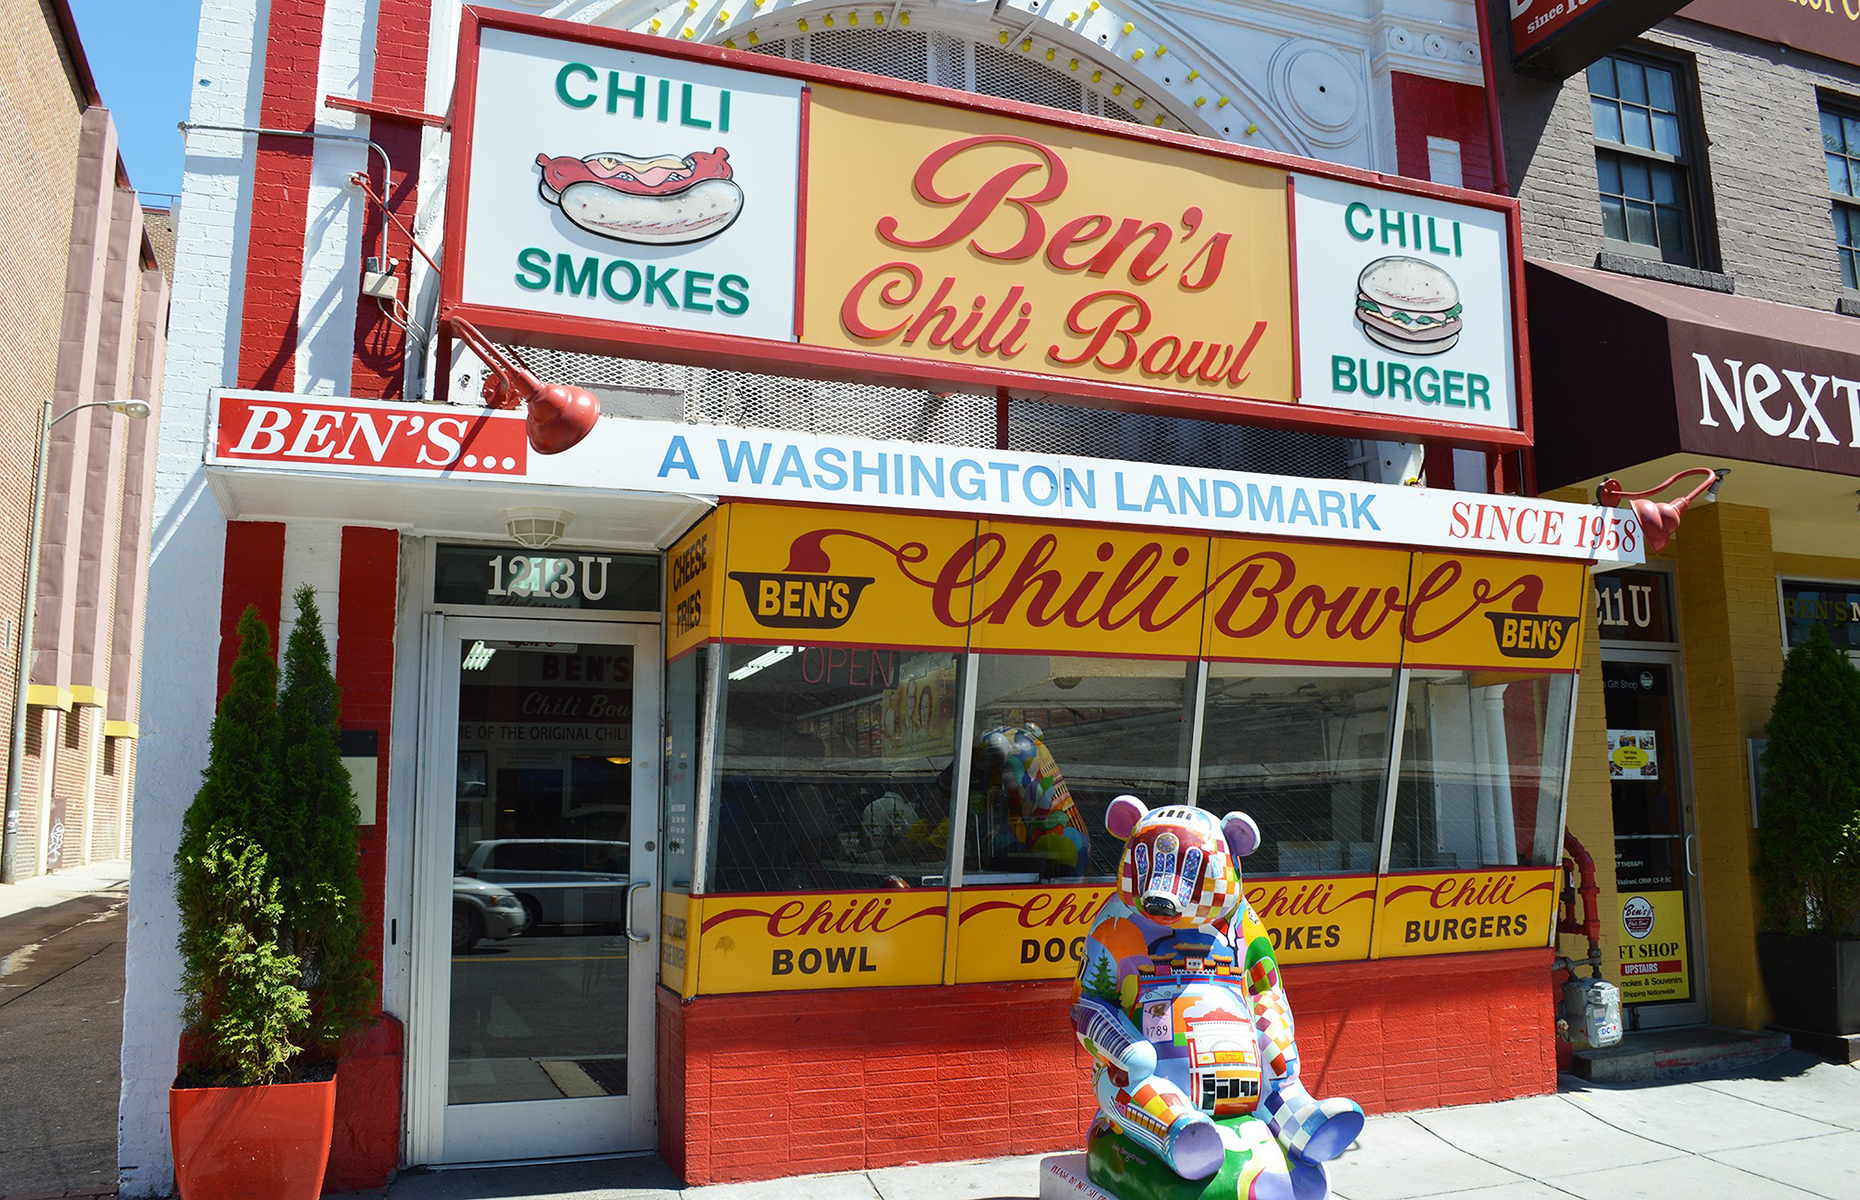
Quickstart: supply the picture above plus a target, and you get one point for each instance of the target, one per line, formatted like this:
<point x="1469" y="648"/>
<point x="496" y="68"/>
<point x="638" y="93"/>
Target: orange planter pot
<point x="265" y="1143"/>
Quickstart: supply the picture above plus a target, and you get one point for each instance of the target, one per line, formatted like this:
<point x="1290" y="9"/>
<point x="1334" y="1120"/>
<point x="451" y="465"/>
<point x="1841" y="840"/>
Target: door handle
<point x="638" y="937"/>
<point x="1691" y="870"/>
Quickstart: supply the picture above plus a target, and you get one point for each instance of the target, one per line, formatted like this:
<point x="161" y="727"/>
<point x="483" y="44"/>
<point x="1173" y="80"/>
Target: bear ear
<point x="1122" y="817"/>
<point x="1242" y="833"/>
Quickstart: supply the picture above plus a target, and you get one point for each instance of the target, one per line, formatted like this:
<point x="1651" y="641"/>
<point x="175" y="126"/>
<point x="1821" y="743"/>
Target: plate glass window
<point x="1642" y="163"/>
<point x="1840" y="144"/>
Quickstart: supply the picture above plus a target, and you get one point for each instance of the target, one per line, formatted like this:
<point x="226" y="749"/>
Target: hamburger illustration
<point x="664" y="200"/>
<point x="1408" y="305"/>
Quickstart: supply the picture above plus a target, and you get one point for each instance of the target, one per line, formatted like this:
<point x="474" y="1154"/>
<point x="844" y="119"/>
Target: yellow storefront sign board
<point x="1290" y="602"/>
<point x="1654" y="964"/>
<point x="693" y="570"/>
<point x="1025" y="933"/>
<point x="825" y="576"/>
<point x="1079" y="589"/>
<point x="1482" y="612"/>
<point x="1314" y="920"/>
<point x="790" y="943"/>
<point x="970" y="237"/>
<point x="1458" y="911"/>
<point x="676" y="968"/>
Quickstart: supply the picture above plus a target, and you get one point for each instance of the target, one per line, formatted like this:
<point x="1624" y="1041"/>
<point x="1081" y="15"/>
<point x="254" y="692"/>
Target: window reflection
<point x="1306" y="756"/>
<point x="1104" y="726"/>
<point x="829" y="766"/>
<point x="1482" y="764"/>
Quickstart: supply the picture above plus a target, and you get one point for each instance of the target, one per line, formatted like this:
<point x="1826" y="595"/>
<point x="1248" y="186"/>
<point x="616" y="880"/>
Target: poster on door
<point x="1653" y="947"/>
<point x="1633" y="754"/>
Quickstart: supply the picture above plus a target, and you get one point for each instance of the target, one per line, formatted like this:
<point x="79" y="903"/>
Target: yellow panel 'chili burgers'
<point x="1408" y="305"/>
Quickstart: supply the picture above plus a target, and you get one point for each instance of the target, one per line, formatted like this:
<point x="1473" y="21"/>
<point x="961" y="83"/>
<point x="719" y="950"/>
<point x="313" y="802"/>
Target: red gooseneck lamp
<point x="1658" y="520"/>
<point x="558" y="414"/>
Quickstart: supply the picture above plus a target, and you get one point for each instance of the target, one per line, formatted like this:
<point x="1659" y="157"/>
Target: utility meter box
<point x="1593" y="1009"/>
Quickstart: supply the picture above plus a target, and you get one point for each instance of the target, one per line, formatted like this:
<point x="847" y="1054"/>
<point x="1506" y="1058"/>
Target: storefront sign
<point x="1770" y="402"/>
<point x="1024" y="933"/>
<point x="259" y="427"/>
<point x="787" y="943"/>
<point x="612" y="185"/>
<point x="616" y="192"/>
<point x="1404" y="304"/>
<point x="1501" y="909"/>
<point x="600" y="581"/>
<point x="1557" y="38"/>
<point x="1317" y="919"/>
<point x="1653" y="947"/>
<point x="1833" y="606"/>
<point x="1634" y="606"/>
<point x="821" y="577"/>
<point x="671" y="458"/>
<point x="693" y="567"/>
<point x="1830" y="28"/>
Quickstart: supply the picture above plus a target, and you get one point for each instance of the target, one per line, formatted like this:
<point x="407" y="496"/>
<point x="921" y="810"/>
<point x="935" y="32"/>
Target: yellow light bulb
<point x="1138" y="104"/>
<point x="1097" y="76"/>
<point x="1200" y="100"/>
<point x="1194" y="74"/>
<point x="904" y="18"/>
<point x="1071" y="17"/>
<point x="1252" y="129"/>
<point x="755" y="39"/>
<point x="1157" y="121"/>
<point x="1161" y="50"/>
<point x="729" y="43"/>
<point x="829" y="21"/>
<point x="803" y="24"/>
<point x="655" y="24"/>
<point x="1026" y="45"/>
<point x="691" y="4"/>
<point x="1129" y="26"/>
<point x="878" y="18"/>
<point x="690" y="33"/>
<point x="1003" y="36"/>
<point x="723" y="16"/>
<point x="852" y="18"/>
<point x="1117" y="89"/>
<point x="1138" y="56"/>
<point x="1221" y="103"/>
<point x="1050" y="54"/>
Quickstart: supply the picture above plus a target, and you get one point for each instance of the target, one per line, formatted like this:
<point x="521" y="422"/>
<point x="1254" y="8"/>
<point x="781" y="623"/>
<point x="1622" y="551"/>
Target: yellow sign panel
<point x="1653" y="962"/>
<point x="1472" y="611"/>
<point x="791" y="943"/>
<point x="1313" y="920"/>
<point x="1289" y="602"/>
<point x="961" y="236"/>
<point x="1456" y="911"/>
<point x="692" y="571"/>
<point x="1076" y="589"/>
<point x="832" y="576"/>
<point x="675" y="966"/>
<point x="1025" y="933"/>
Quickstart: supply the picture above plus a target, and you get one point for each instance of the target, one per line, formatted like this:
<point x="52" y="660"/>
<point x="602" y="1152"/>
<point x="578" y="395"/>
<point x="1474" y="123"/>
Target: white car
<point x="484" y="910"/>
<point x="560" y="881"/>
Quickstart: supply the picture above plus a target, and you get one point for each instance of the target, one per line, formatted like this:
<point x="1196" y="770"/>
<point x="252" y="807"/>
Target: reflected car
<point x="483" y="910"/>
<point x="559" y="881"/>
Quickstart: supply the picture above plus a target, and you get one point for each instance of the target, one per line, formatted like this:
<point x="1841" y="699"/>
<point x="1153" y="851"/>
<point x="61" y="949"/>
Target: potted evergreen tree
<point x="1809" y="841"/>
<point x="268" y="888"/>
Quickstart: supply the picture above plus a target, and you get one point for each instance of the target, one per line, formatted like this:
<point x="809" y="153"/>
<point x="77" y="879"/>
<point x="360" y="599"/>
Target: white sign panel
<point x="1404" y="305"/>
<point x="611" y="185"/>
<point x="463" y="445"/>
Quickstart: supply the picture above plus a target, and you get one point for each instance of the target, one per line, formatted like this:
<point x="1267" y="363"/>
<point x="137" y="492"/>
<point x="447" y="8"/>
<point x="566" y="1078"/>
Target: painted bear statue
<point x="1180" y="1005"/>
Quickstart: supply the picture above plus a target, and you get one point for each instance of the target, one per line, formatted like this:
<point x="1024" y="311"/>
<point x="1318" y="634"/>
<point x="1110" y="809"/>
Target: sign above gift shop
<point x="613" y="193"/>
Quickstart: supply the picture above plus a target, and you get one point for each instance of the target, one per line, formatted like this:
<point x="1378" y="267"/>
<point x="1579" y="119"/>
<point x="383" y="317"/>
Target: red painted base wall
<point x="755" y="1087"/>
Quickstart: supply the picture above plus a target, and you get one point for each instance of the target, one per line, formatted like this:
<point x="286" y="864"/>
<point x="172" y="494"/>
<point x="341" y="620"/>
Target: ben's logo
<point x="807" y="595"/>
<point x="1529" y="635"/>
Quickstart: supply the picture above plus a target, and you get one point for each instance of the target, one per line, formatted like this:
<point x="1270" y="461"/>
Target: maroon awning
<point x="1627" y="370"/>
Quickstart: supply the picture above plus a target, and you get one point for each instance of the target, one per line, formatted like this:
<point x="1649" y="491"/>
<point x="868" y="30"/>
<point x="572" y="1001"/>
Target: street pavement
<point x="61" y="1031"/>
<point x="1787" y="1127"/>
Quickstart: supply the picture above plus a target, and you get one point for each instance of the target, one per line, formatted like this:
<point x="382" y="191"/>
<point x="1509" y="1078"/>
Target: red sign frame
<point x="690" y="347"/>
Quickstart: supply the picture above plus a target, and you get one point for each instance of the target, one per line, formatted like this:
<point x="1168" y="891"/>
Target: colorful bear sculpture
<point x="1180" y="1004"/>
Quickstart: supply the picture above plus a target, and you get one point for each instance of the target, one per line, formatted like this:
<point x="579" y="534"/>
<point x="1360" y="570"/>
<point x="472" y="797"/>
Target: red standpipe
<point x="1590" y="925"/>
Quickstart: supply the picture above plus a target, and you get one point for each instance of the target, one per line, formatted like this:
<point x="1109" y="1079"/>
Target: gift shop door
<point x="538" y="904"/>
<point x="1661" y="968"/>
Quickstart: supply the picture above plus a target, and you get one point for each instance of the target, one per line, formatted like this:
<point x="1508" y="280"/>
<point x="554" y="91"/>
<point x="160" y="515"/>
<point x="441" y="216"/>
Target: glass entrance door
<point x="1660" y="966"/>
<point x="538" y="839"/>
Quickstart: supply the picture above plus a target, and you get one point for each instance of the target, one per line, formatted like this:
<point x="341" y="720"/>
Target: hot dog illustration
<point x="660" y="201"/>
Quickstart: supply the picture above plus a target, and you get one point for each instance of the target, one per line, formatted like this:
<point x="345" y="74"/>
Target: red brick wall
<point x="1426" y="108"/>
<point x="755" y="1087"/>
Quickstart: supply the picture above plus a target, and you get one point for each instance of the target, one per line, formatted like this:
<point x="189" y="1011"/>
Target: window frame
<point x="1845" y="107"/>
<point x="1690" y="162"/>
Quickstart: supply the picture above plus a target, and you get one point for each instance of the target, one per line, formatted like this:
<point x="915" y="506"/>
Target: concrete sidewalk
<point x="1788" y="1127"/>
<point x="43" y="891"/>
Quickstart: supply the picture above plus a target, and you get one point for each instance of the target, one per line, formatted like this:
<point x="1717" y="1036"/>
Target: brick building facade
<point x="86" y="311"/>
